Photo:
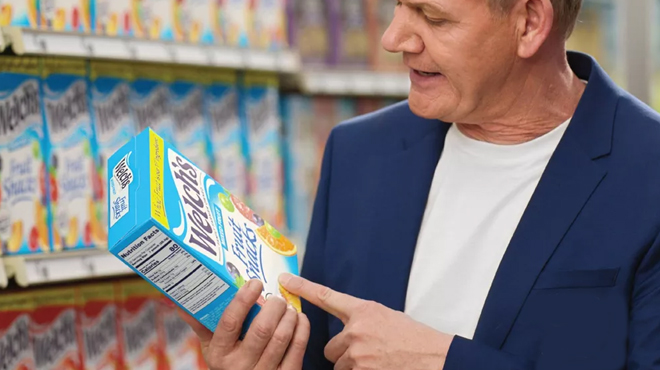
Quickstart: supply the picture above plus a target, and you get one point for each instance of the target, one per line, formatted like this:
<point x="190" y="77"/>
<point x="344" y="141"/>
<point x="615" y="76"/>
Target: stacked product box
<point x="115" y="17"/>
<point x="182" y="347"/>
<point x="381" y="14"/>
<point x="197" y="21"/>
<point x="19" y="13"/>
<point x="66" y="15"/>
<point x="308" y="29"/>
<point x="228" y="147"/>
<point x="270" y="24"/>
<point x="237" y="20"/>
<point x="110" y="91"/>
<point x="54" y="330"/>
<point x="151" y="100"/>
<point x="154" y="19"/>
<point x="300" y="164"/>
<point x="25" y="182"/>
<point x="142" y="345"/>
<point x="98" y="326"/>
<point x="350" y="33"/>
<point x="71" y="157"/>
<point x="15" y="345"/>
<point x="191" y="129"/>
<point x="260" y="105"/>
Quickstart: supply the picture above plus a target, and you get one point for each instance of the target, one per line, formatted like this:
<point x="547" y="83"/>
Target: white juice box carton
<point x="19" y="13"/>
<point x="191" y="131"/>
<point x="187" y="235"/>
<point x="24" y="180"/>
<point x="71" y="156"/>
<point x="151" y="100"/>
<point x="197" y="21"/>
<point x="228" y="149"/>
<point x="110" y="91"/>
<point x="262" y="127"/>
<point x="154" y="19"/>
<point x="66" y="15"/>
<point x="115" y="17"/>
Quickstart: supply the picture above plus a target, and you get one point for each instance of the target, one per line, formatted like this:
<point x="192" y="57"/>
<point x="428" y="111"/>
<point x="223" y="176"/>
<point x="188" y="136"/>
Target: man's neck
<point x="547" y="98"/>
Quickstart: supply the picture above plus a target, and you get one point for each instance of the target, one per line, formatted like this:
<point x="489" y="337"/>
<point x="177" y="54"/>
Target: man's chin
<point x="425" y="108"/>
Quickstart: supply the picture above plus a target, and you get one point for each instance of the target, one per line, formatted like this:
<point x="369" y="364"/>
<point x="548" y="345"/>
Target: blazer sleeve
<point x="644" y="329"/>
<point x="313" y="265"/>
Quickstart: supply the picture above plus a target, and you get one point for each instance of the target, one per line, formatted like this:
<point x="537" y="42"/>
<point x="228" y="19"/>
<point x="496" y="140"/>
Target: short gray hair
<point x="566" y="12"/>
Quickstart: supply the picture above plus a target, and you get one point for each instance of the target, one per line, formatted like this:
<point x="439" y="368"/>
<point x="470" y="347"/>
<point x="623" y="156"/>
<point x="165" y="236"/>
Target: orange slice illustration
<point x="276" y="241"/>
<point x="291" y="299"/>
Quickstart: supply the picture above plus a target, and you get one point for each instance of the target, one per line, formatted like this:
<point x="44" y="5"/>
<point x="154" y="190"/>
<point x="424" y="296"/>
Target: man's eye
<point x="436" y="22"/>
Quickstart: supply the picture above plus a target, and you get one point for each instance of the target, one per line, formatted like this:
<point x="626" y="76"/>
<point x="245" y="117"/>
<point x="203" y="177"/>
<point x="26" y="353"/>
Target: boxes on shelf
<point x="197" y="21"/>
<point x="164" y="208"/>
<point x="237" y="19"/>
<point x="381" y="14"/>
<point x="54" y="330"/>
<point x="309" y="29"/>
<point x="19" y="13"/>
<point x="154" y="19"/>
<point x="115" y="17"/>
<point x="270" y="24"/>
<point x="191" y="130"/>
<point x="15" y="344"/>
<point x="300" y="164"/>
<point x="182" y="348"/>
<point x="114" y="126"/>
<point x="65" y="15"/>
<point x="229" y="156"/>
<point x="99" y="327"/>
<point x="142" y="347"/>
<point x="264" y="142"/>
<point x="71" y="157"/>
<point x="24" y="180"/>
<point x="151" y="100"/>
<point x="350" y="33"/>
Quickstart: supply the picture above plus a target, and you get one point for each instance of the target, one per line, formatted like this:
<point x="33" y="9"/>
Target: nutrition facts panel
<point x="168" y="266"/>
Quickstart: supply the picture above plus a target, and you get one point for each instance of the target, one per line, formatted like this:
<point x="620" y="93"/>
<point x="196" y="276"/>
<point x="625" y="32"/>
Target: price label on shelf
<point x="62" y="44"/>
<point x="151" y="51"/>
<point x="108" y="47"/>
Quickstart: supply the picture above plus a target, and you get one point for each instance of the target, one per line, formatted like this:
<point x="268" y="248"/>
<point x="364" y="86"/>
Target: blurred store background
<point x="202" y="73"/>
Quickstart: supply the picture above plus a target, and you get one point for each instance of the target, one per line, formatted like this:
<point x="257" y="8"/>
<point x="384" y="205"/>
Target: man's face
<point x="460" y="54"/>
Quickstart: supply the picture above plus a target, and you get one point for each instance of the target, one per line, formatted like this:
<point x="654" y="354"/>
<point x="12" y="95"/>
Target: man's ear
<point x="535" y="24"/>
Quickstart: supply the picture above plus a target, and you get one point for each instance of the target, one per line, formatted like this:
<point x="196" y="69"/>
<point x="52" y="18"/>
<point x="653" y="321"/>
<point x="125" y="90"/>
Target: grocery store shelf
<point x="60" y="267"/>
<point x="26" y="41"/>
<point x="355" y="83"/>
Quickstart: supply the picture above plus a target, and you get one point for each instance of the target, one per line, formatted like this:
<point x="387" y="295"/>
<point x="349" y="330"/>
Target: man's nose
<point x="401" y="35"/>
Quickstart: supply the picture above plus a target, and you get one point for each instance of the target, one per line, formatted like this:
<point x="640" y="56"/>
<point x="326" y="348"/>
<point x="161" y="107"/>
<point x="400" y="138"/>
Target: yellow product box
<point x="177" y="228"/>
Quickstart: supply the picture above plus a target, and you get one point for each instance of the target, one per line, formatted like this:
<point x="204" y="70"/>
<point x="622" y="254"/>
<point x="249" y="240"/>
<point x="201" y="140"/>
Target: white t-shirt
<point x="479" y="193"/>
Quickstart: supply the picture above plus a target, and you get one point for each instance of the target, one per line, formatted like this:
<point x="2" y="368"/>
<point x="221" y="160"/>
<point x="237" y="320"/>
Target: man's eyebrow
<point x="427" y="6"/>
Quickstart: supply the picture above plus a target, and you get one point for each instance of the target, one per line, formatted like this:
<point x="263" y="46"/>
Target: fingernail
<point x="247" y="284"/>
<point x="290" y="306"/>
<point x="285" y="278"/>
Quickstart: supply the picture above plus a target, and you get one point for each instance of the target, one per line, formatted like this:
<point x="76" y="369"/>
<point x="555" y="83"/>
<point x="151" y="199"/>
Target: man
<point x="525" y="235"/>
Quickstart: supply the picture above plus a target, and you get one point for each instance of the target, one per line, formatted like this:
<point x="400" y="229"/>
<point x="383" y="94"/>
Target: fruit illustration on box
<point x="5" y="15"/>
<point x="276" y="241"/>
<point x="16" y="237"/>
<point x="154" y="28"/>
<point x="72" y="233"/>
<point x="179" y="28"/>
<point x="226" y="202"/>
<point x="291" y="299"/>
<point x="138" y="18"/>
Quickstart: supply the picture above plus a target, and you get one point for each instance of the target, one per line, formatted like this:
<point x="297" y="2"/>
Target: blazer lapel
<point x="400" y="192"/>
<point x="572" y="175"/>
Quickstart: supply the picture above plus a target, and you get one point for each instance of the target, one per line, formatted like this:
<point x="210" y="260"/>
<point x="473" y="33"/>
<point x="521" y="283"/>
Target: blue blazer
<point x="579" y="285"/>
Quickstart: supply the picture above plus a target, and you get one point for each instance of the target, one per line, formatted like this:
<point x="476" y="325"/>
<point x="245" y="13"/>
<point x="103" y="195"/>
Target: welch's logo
<point x="139" y="331"/>
<point x="224" y="113"/>
<point x="18" y="109"/>
<point x="189" y="113"/>
<point x="15" y="344"/>
<point x="111" y="113"/>
<point x="200" y="231"/>
<point x="262" y="112"/>
<point x="100" y="335"/>
<point x="65" y="112"/>
<point x="51" y="346"/>
<point x="154" y="110"/>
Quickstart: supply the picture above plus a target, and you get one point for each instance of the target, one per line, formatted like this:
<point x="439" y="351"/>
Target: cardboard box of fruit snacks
<point x="188" y="236"/>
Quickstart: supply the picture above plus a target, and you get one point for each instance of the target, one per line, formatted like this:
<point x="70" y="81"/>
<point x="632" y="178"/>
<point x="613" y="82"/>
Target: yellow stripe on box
<point x="156" y="158"/>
